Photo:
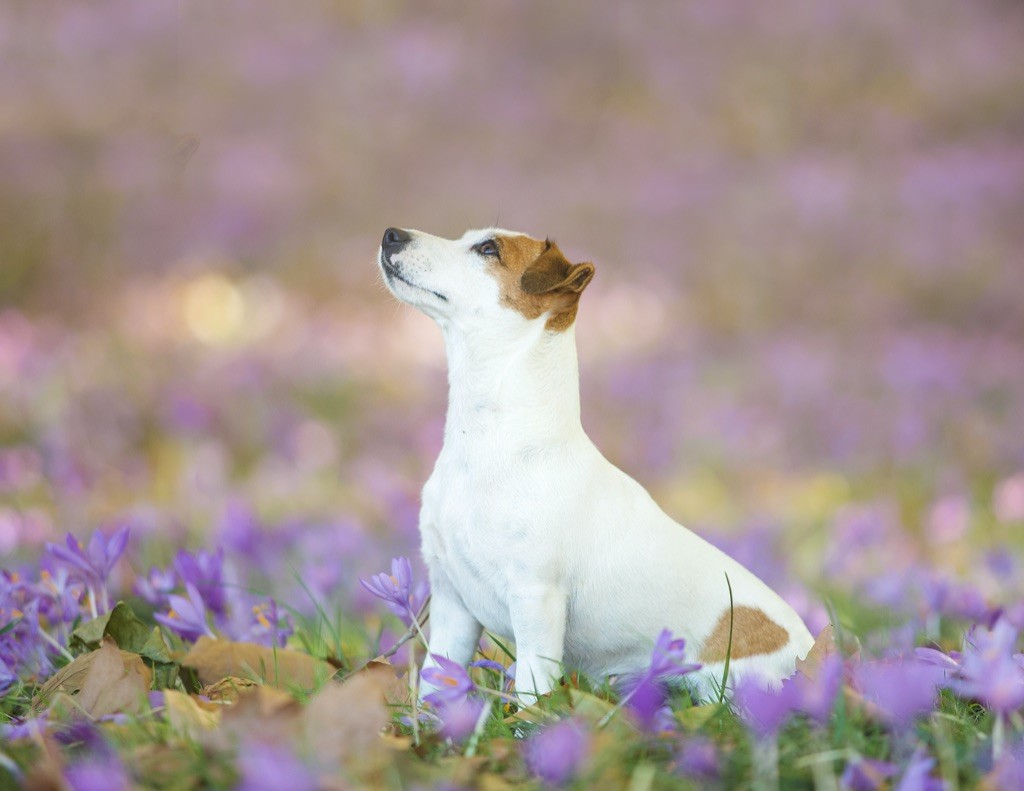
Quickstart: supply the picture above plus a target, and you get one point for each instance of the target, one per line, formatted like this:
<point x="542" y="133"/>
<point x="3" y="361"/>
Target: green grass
<point x="957" y="733"/>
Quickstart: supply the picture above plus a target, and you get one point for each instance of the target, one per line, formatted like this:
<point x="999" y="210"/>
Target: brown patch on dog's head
<point x="535" y="279"/>
<point x="753" y="633"/>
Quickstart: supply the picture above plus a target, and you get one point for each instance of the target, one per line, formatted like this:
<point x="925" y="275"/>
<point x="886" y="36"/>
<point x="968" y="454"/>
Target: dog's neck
<point x="522" y="389"/>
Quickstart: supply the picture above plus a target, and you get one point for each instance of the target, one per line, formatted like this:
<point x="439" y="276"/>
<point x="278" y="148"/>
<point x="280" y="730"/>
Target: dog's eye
<point x="488" y="248"/>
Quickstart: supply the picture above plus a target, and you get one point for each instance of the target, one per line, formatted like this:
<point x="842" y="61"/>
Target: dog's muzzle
<point x="394" y="240"/>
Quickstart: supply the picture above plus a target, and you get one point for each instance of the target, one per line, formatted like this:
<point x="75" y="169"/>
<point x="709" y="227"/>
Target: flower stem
<point x="522" y="706"/>
<point x="413" y="631"/>
<point x="92" y="601"/>
<point x="998" y="735"/>
<point x="63" y="651"/>
<point x="616" y="708"/>
<point x="478" y="729"/>
<point x="766" y="764"/>
<point x="413" y="689"/>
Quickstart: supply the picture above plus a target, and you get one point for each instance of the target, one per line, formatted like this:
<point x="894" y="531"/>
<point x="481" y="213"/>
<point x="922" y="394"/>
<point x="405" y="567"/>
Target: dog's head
<point x="487" y="276"/>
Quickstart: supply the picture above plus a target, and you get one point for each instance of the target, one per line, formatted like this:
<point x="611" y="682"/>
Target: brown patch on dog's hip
<point x="753" y="633"/>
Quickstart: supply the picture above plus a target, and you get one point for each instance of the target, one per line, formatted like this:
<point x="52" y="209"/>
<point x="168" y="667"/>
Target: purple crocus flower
<point x="946" y="597"/>
<point x="205" y="570"/>
<point x="932" y="656"/>
<point x="557" y="753"/>
<point x="187" y="616"/>
<point x="989" y="670"/>
<point x="668" y="659"/>
<point x="26" y="729"/>
<point x="449" y="679"/>
<point x="269" y="767"/>
<point x="23" y="647"/>
<point x="7" y="676"/>
<point x="816" y="697"/>
<point x="61" y="597"/>
<point x="900" y="689"/>
<point x="262" y="623"/>
<point x="1008" y="771"/>
<point x="489" y="664"/>
<point x="645" y="694"/>
<point x="459" y="717"/>
<point x="698" y="759"/>
<point x="864" y="774"/>
<point x="764" y="709"/>
<point x="917" y="776"/>
<point x="397" y="590"/>
<point x="98" y="773"/>
<point x="84" y="734"/>
<point x="507" y="674"/>
<point x="94" y="563"/>
<point x="156" y="586"/>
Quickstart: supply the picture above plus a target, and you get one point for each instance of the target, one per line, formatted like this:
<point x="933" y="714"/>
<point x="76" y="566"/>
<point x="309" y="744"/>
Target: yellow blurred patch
<point x="214" y="309"/>
<point x="805" y="498"/>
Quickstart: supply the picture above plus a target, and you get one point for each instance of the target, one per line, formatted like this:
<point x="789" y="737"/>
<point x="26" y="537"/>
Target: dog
<point x="527" y="530"/>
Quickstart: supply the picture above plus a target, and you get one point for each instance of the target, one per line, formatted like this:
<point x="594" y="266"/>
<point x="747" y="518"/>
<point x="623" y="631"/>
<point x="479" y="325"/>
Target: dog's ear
<point x="553" y="272"/>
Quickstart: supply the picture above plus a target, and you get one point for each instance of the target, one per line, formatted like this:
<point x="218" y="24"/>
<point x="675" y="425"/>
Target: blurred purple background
<point x="806" y="222"/>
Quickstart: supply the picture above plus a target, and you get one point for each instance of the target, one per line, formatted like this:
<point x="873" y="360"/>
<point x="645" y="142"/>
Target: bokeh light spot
<point x="214" y="309"/>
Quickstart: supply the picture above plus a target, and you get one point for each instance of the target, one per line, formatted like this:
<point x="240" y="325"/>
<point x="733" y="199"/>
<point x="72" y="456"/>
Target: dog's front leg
<point x="454" y="632"/>
<point x="538" y="622"/>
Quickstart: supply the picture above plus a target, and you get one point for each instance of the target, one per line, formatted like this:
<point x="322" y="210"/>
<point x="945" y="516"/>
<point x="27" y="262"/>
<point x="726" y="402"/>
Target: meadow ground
<point x="804" y="337"/>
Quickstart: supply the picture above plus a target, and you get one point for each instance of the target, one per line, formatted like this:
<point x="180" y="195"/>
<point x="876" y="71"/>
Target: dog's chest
<point x="475" y="532"/>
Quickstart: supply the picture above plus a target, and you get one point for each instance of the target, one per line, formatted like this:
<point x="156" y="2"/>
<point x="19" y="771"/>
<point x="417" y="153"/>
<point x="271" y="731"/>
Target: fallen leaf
<point x="114" y="683"/>
<point x="393" y="741"/>
<point x="214" y="660"/>
<point x="587" y="706"/>
<point x="89" y="634"/>
<point x="47" y="772"/>
<point x="492" y="782"/>
<point x="463" y="771"/>
<point x="824" y="646"/>
<point x="186" y="716"/>
<point x="394" y="684"/>
<point x="166" y="767"/>
<point x="342" y="726"/>
<point x="261" y="713"/>
<point x="695" y="717"/>
<point x="71" y="678"/>
<point x="229" y="690"/>
<point x="130" y="634"/>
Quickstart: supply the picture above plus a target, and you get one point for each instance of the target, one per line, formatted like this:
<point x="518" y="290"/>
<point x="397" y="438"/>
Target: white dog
<point x="527" y="530"/>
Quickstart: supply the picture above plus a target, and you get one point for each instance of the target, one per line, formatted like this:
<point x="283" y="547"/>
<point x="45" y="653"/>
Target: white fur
<point x="527" y="530"/>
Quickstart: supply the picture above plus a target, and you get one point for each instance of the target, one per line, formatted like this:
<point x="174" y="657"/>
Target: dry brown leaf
<point x="492" y="782"/>
<point x="462" y="771"/>
<point x="342" y="725"/>
<point x="186" y="716"/>
<point x="262" y="713"/>
<point x="214" y="660"/>
<point x="228" y="690"/>
<point x="163" y="762"/>
<point x="114" y="682"/>
<point x="395" y="742"/>
<point x="70" y="678"/>
<point x="501" y="750"/>
<point x="824" y="646"/>
<point x="393" y="683"/>
<point x="47" y="773"/>
<point x="266" y="702"/>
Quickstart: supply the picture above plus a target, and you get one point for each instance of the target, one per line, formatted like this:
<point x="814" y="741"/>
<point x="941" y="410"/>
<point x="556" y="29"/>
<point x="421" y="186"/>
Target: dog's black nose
<point x="395" y="238"/>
